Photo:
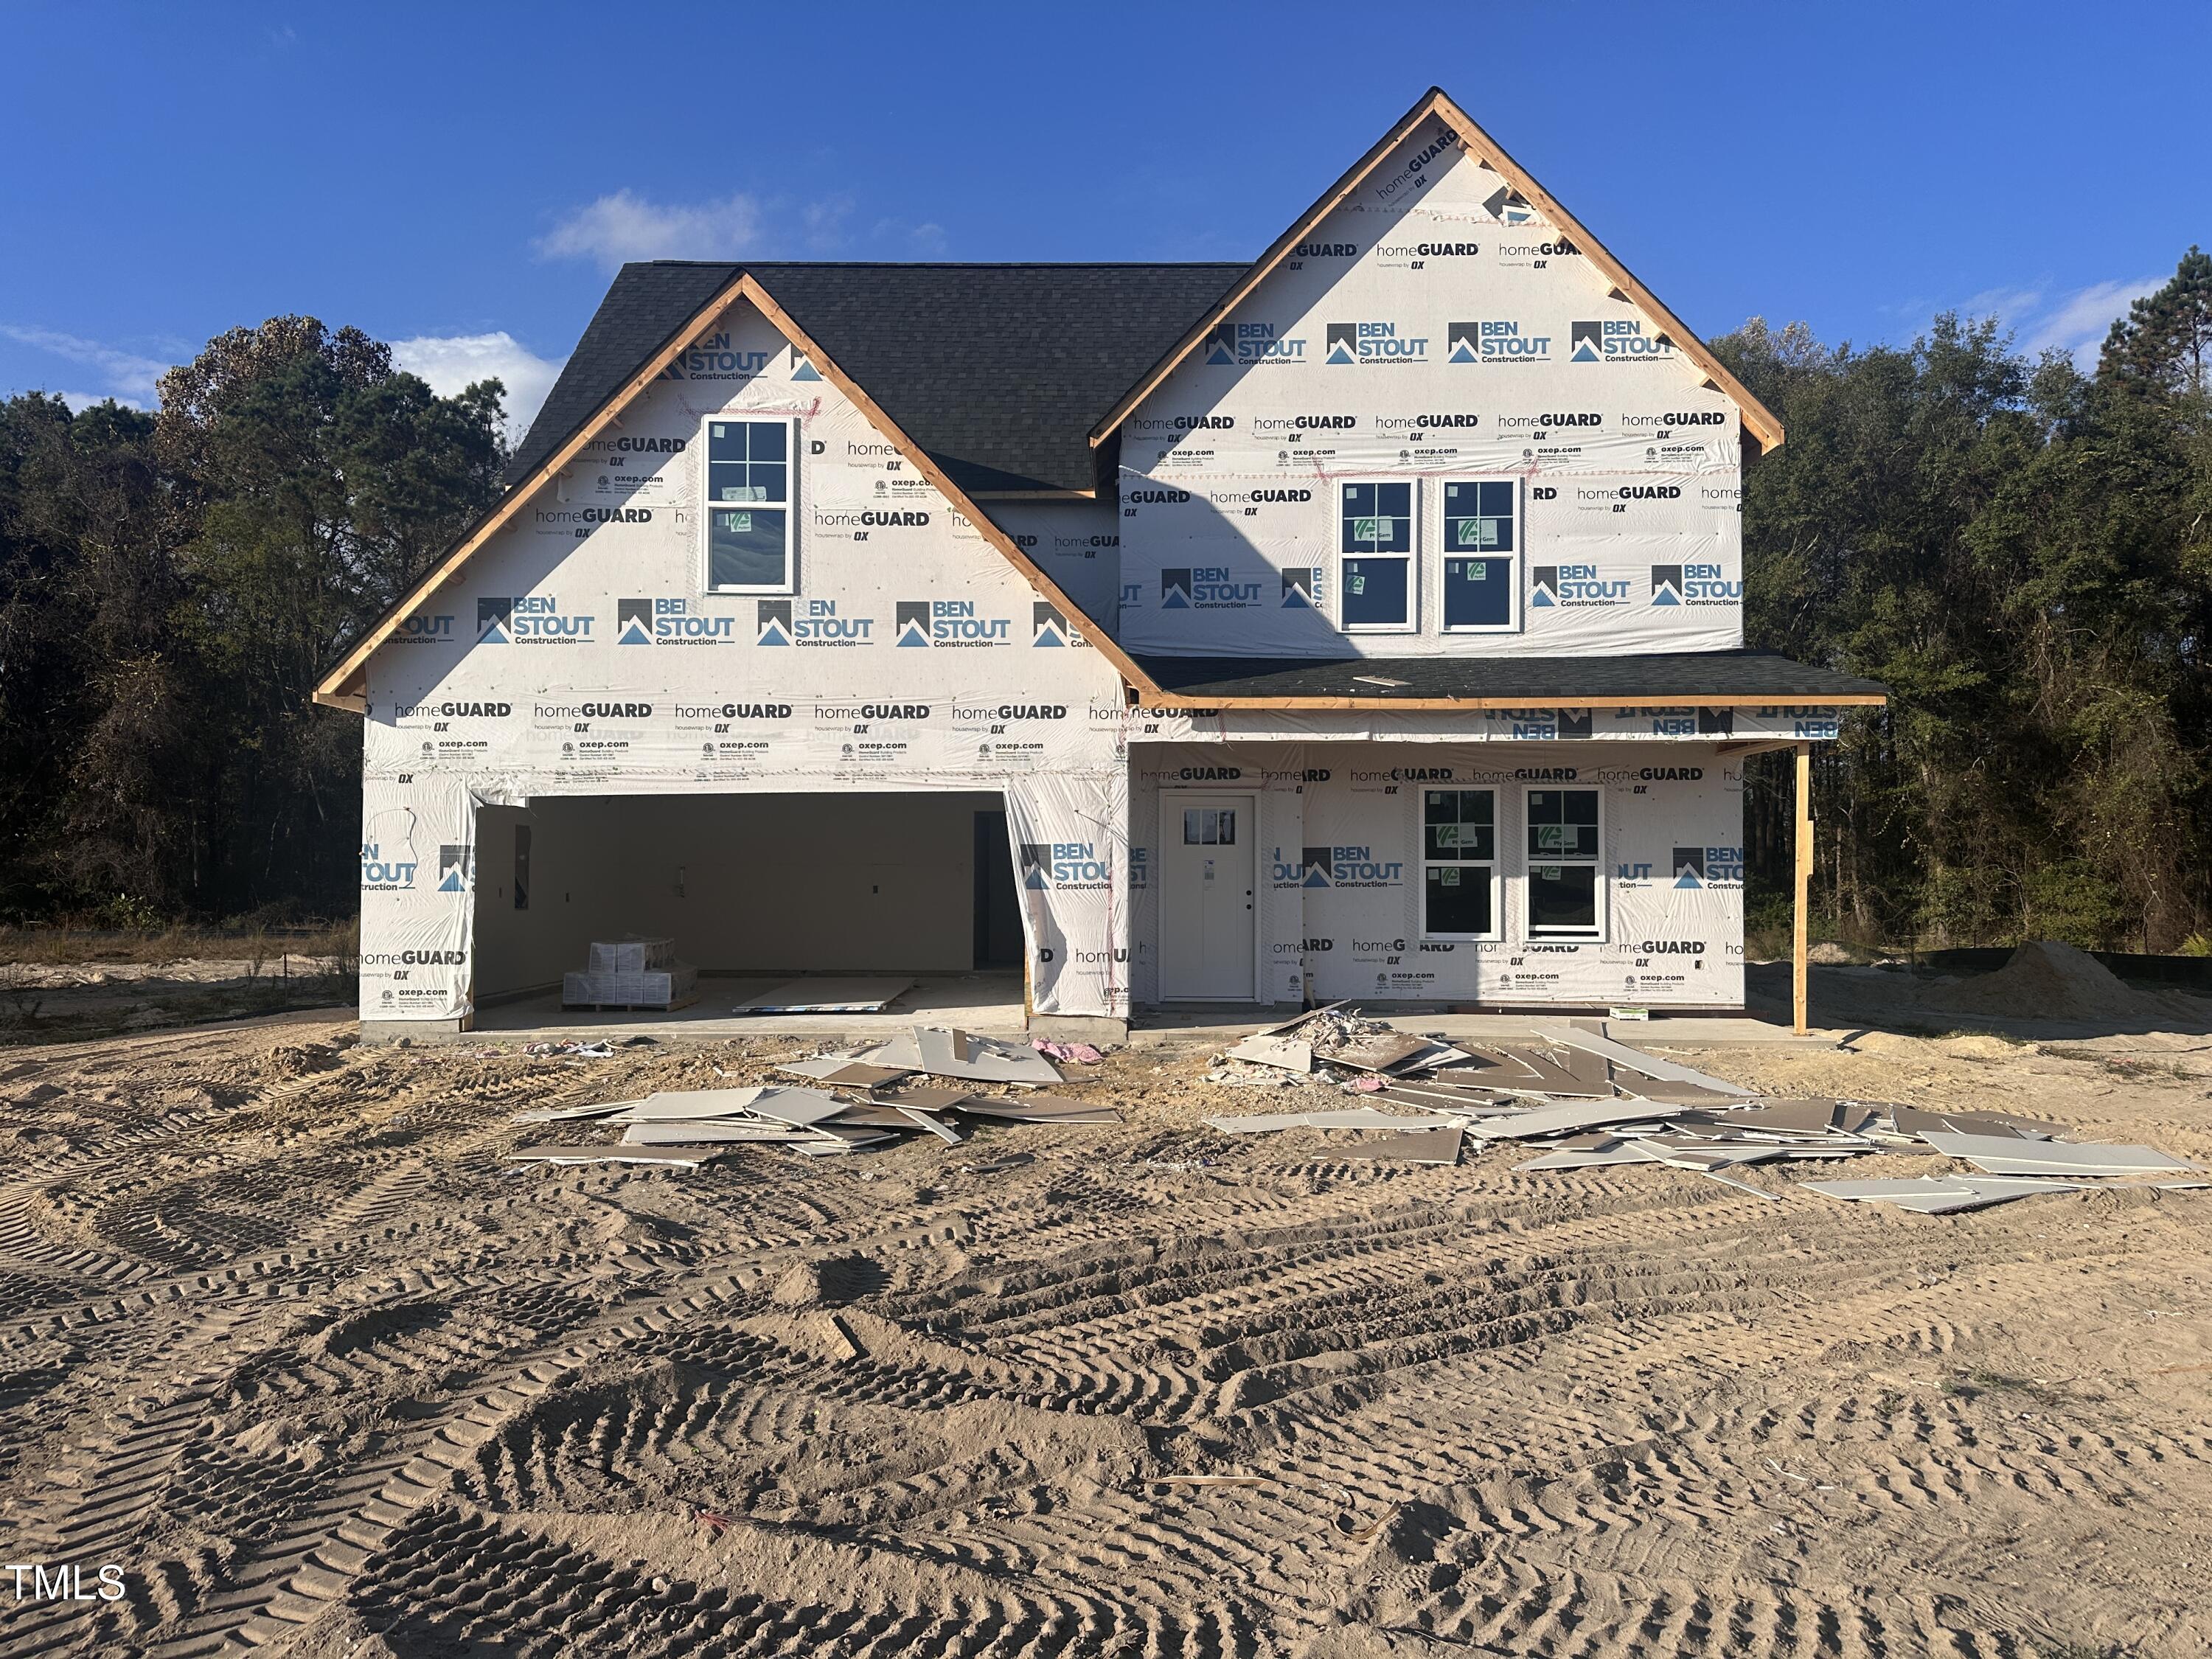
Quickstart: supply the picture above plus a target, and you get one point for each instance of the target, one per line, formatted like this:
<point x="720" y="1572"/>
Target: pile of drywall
<point x="1331" y="1037"/>
<point x="1579" y="1100"/>
<point x="630" y="973"/>
<point x="870" y="1098"/>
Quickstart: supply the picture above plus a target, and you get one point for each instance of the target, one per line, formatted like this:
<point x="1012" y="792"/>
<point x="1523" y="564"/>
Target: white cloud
<point x="626" y="226"/>
<point x="925" y="241"/>
<point x="80" y="401"/>
<point x="2075" y="322"/>
<point x="623" y="225"/>
<point x="131" y="379"/>
<point x="824" y="223"/>
<point x="452" y="362"/>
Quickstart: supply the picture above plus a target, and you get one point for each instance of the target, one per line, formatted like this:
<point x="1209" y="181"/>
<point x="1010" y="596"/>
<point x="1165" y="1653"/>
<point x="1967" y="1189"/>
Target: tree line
<point x="171" y="587"/>
<point x="2021" y="550"/>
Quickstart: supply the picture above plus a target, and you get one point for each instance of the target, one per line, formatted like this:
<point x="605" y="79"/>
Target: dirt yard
<point x="72" y="1001"/>
<point x="288" y="1343"/>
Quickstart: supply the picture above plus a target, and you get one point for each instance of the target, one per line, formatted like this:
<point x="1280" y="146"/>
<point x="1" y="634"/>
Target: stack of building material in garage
<point x="630" y="973"/>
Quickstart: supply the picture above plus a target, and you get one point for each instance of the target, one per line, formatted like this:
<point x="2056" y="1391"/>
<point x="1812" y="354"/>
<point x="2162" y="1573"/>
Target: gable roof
<point x="1758" y="420"/>
<point x="340" y="688"/>
<point x="996" y="371"/>
<point x="982" y="375"/>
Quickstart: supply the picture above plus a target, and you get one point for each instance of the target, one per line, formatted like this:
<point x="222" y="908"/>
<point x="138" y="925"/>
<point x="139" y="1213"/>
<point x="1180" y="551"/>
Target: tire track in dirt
<point x="403" y="1389"/>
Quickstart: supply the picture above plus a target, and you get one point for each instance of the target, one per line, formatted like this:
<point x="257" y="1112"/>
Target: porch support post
<point x="1800" y="994"/>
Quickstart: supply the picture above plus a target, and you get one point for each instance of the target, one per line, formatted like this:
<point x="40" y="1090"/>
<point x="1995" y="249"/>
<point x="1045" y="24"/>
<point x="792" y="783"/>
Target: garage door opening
<point x="752" y="888"/>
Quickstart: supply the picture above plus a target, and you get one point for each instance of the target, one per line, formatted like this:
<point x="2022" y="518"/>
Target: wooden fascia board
<point x="1478" y="705"/>
<point x="748" y="287"/>
<point x="1755" y="416"/>
<point x="1756" y="747"/>
<point x="1262" y="267"/>
<point x="338" y="687"/>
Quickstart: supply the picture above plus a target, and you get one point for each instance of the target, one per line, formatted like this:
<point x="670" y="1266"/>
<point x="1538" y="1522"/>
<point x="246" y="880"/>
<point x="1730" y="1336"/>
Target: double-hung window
<point x="1566" y="896"/>
<point x="751" y="533"/>
<point x="1481" y="576"/>
<point x="1375" y="557"/>
<point x="1459" y="864"/>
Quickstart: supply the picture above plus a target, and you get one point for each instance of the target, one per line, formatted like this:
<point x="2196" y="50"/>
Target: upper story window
<point x="1375" y="557"/>
<point x="750" y="545"/>
<point x="1481" y="567"/>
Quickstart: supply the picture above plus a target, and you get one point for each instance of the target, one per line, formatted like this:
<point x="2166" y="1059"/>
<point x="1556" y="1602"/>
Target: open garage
<point x="747" y="885"/>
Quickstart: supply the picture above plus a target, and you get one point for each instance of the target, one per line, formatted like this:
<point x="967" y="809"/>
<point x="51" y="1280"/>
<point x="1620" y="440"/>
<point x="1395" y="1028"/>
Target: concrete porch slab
<point x="1226" y="1024"/>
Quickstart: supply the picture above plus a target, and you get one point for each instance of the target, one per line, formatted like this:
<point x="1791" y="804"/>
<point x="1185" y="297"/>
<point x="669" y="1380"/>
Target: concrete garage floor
<point x="989" y="1004"/>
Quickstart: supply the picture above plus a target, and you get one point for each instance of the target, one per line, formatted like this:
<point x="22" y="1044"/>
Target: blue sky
<point x="460" y="178"/>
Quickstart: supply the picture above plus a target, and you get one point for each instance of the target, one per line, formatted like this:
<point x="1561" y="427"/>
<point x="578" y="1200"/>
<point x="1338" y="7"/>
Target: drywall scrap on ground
<point x="942" y="1052"/>
<point x="687" y="1126"/>
<point x="826" y="996"/>
<point x="1581" y="1101"/>
<point x="1937" y="1194"/>
<point x="1286" y="1053"/>
<point x="689" y="1157"/>
<point x="834" y="1069"/>
<point x="2007" y="1155"/>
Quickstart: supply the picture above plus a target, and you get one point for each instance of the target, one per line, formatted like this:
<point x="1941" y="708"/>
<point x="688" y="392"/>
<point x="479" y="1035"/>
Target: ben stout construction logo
<point x="938" y="623"/>
<point x="1063" y="866"/>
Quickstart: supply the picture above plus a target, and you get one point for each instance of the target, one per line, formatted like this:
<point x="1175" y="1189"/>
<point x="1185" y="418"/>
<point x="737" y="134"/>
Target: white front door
<point x="1209" y="885"/>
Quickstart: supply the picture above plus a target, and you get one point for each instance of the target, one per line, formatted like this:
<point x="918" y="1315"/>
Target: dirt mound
<point x="828" y="1284"/>
<point x="2046" y="979"/>
<point x="290" y="1060"/>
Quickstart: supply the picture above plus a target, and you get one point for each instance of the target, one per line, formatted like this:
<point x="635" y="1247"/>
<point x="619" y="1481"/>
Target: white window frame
<point x="1601" y="886"/>
<point x="790" y="583"/>
<point x="1412" y="556"/>
<point x="1517" y="559"/>
<point x="1496" y="860"/>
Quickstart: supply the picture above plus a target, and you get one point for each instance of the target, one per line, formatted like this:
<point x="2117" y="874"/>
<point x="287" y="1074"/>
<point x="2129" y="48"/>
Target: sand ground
<point x="286" y="1340"/>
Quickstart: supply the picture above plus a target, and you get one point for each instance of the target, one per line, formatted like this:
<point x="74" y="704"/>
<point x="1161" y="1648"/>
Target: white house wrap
<point x="1381" y="641"/>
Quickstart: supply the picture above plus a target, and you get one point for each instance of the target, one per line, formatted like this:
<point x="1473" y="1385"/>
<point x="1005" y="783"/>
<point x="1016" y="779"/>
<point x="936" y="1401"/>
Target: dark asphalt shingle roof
<point x="999" y="372"/>
<point x="1675" y="679"/>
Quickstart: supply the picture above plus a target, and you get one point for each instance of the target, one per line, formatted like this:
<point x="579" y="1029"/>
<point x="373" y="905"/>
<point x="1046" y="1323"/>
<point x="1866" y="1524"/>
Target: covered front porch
<point x="1585" y="866"/>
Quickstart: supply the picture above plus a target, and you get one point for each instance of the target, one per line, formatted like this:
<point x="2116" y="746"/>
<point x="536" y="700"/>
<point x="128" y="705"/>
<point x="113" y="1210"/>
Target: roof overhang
<point x="1176" y="701"/>
<point x="1454" y="684"/>
<point x="343" y="687"/>
<point x="1759" y="422"/>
